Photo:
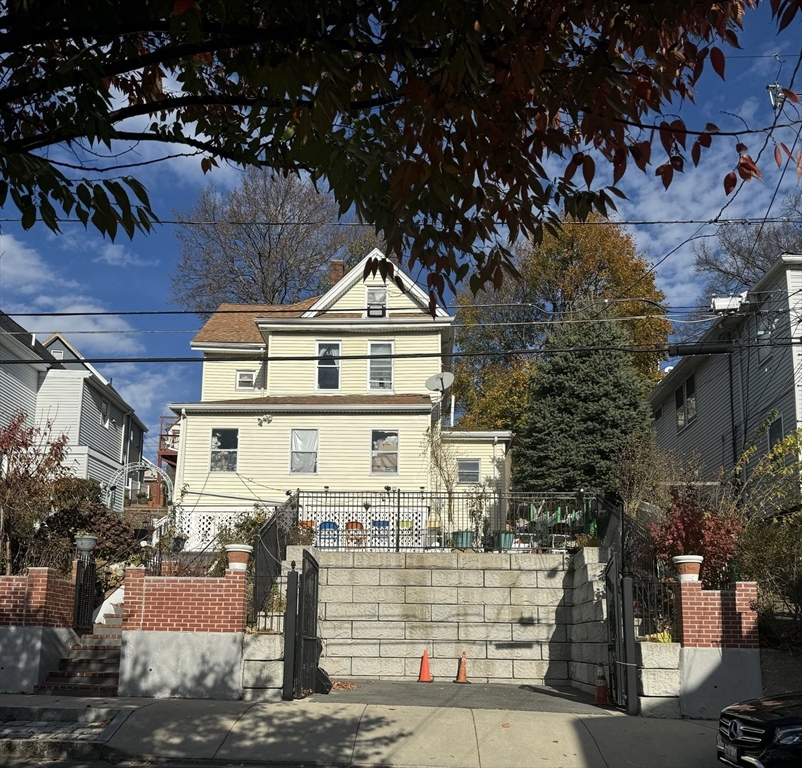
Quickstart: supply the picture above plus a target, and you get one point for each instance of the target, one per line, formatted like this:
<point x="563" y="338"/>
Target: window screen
<point x="468" y="471"/>
<point x="380" y="370"/>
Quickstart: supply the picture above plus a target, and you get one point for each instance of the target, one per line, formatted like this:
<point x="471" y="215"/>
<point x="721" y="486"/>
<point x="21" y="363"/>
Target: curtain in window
<point x="303" y="458"/>
<point x="380" y="375"/>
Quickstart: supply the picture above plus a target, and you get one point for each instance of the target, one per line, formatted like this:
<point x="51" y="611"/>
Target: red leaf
<point x="785" y="149"/>
<point x="677" y="163"/>
<point x="778" y="156"/>
<point x="588" y="169"/>
<point x="730" y="180"/>
<point x="799" y="165"/>
<point x="642" y="153"/>
<point x="711" y="128"/>
<point x="619" y="166"/>
<point x="182" y="6"/>
<point x="570" y="169"/>
<point x="678" y="129"/>
<point x="696" y="152"/>
<point x="705" y="139"/>
<point x="739" y="147"/>
<point x="791" y="96"/>
<point x="749" y="165"/>
<point x="717" y="60"/>
<point x="666" y="173"/>
<point x="666" y="137"/>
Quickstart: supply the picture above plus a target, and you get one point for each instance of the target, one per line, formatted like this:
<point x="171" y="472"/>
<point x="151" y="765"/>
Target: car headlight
<point x="788" y="736"/>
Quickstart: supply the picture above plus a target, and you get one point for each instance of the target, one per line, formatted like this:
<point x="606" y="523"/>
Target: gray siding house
<point x="57" y="385"/>
<point x="715" y="406"/>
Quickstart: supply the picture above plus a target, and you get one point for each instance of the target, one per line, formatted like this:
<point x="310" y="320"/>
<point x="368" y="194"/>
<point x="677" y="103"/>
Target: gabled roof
<point x="354" y="276"/>
<point x="232" y="323"/>
<point x="27" y="339"/>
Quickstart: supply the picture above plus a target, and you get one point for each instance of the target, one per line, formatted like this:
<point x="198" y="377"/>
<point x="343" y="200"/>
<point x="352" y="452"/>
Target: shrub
<point x="692" y="527"/>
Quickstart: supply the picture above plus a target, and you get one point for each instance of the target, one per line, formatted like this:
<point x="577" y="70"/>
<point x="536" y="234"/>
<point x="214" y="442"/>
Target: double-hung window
<point x="685" y="402"/>
<point x="380" y="369"/>
<point x="328" y="365"/>
<point x="225" y="443"/>
<point x="246" y="379"/>
<point x="468" y="471"/>
<point x="384" y="452"/>
<point x="303" y="451"/>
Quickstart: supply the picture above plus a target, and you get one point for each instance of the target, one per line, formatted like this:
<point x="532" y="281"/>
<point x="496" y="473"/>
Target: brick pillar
<point x="336" y="271"/>
<point x="236" y="580"/>
<point x="134" y="603"/>
<point x="717" y="618"/>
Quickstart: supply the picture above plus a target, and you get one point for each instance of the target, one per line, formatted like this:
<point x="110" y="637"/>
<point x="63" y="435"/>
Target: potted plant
<point x="504" y="539"/>
<point x="85" y="542"/>
<point x="238" y="555"/>
<point x="462" y="539"/>
<point x="697" y="538"/>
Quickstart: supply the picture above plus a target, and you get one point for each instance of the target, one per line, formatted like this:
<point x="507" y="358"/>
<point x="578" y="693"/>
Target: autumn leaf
<point x="730" y="180"/>
<point x="588" y="169"/>
<point x="696" y="152"/>
<point x="717" y="60"/>
<point x="666" y="173"/>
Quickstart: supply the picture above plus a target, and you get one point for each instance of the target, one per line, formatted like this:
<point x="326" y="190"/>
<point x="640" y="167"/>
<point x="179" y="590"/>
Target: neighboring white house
<point x="59" y="387"/>
<point x="327" y="395"/>
<point x="714" y="406"/>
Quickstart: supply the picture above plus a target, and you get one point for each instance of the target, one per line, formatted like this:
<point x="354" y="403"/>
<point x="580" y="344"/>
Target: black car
<point x="762" y="733"/>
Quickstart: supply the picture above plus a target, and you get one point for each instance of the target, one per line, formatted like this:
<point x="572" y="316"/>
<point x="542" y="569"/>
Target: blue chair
<point x="328" y="535"/>
<point x="380" y="534"/>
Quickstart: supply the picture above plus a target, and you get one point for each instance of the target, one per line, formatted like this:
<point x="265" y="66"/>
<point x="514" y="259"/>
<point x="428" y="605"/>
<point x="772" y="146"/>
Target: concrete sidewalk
<point x="338" y="731"/>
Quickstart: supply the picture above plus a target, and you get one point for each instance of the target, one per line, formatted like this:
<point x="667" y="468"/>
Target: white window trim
<point x="317" y="454"/>
<point x="479" y="471"/>
<point x="58" y="354"/>
<point x="221" y="471"/>
<point x="247" y="389"/>
<point x="391" y="342"/>
<point x="386" y="304"/>
<point x="336" y="362"/>
<point x="397" y="473"/>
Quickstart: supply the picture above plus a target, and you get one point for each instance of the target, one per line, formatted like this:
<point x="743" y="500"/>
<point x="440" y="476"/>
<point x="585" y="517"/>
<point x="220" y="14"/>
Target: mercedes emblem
<point x="736" y="730"/>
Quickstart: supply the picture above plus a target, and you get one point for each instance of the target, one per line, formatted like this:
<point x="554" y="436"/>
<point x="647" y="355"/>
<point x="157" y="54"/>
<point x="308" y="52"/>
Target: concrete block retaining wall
<point x="587" y="631"/>
<point x="509" y="612"/>
<point x="659" y="679"/>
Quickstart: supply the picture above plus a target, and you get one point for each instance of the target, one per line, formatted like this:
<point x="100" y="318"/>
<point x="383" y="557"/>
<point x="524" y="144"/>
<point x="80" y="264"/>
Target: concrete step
<point x="66" y="689"/>
<point x="96" y="653"/>
<point x="102" y="664"/>
<point x="82" y="678"/>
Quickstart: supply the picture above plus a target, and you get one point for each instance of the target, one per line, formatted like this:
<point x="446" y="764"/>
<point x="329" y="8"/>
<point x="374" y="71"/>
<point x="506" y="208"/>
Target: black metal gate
<point x="615" y="630"/>
<point x="301" y="643"/>
<point x="85" y="585"/>
<point x="266" y="565"/>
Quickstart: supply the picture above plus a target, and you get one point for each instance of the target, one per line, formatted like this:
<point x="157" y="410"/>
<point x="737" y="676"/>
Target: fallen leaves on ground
<point x="341" y="685"/>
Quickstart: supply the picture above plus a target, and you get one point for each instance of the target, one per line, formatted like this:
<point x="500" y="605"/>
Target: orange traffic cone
<point x="462" y="674"/>
<point x="425" y="676"/>
<point x="602" y="691"/>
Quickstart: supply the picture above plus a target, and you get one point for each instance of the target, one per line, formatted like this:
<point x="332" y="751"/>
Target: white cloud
<point x="91" y="335"/>
<point x="24" y="271"/>
<point x="119" y="256"/>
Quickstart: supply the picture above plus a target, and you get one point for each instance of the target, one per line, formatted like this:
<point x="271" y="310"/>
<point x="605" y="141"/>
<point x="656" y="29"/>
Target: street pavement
<point x="380" y="724"/>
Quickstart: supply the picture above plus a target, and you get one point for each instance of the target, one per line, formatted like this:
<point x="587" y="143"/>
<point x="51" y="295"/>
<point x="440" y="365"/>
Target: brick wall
<point x="509" y="612"/>
<point x="40" y="599"/>
<point x="717" y="618"/>
<point x="181" y="604"/>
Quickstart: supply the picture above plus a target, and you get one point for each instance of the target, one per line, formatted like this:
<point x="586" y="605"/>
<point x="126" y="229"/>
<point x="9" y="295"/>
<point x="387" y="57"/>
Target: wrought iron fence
<point x="396" y="520"/>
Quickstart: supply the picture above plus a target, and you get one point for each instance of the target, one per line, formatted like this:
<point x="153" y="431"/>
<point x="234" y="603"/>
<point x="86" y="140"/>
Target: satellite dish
<point x="440" y="382"/>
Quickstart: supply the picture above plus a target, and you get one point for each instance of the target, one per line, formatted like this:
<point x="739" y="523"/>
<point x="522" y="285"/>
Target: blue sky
<point x="79" y="271"/>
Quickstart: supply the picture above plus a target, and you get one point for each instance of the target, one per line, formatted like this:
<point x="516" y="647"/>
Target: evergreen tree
<point x="583" y="406"/>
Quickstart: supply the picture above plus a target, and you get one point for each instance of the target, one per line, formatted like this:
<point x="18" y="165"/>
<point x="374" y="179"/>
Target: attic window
<point x="57" y="353"/>
<point x="246" y="379"/>
<point x="377" y="302"/>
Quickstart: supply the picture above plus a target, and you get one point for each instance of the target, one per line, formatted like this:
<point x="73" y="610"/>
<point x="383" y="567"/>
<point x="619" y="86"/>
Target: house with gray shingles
<point x="714" y="406"/>
<point x="58" y="386"/>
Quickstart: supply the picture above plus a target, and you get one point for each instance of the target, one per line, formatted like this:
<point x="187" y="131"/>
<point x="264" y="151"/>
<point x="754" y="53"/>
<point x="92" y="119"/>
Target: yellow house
<point x="328" y="395"/>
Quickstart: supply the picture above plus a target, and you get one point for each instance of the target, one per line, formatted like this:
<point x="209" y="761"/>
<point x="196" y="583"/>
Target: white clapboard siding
<point x="59" y="403"/>
<point x="18" y="385"/>
<point x="355" y="298"/>
<point x="220" y="378"/>
<point x="263" y="466"/>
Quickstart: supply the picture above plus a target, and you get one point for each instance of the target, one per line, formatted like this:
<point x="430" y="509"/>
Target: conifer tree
<point x="584" y="403"/>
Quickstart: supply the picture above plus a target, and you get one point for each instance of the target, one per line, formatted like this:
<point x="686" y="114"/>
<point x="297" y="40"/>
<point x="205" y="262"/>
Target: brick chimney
<point x="337" y="270"/>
